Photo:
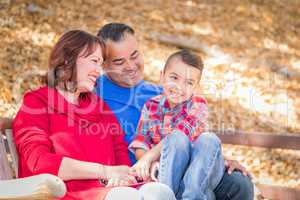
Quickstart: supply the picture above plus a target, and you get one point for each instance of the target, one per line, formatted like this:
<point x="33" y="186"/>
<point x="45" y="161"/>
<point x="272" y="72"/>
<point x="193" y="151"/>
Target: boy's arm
<point x="139" y="153"/>
<point x="143" y="165"/>
<point x="142" y="141"/>
<point x="154" y="152"/>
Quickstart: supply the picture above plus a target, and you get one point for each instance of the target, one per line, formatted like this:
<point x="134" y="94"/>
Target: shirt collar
<point x="179" y="107"/>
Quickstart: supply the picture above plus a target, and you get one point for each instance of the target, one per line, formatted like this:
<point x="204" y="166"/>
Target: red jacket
<point x="48" y="128"/>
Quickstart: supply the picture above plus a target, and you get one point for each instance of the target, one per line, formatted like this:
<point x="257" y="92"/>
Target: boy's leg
<point x="235" y="186"/>
<point x="205" y="171"/>
<point x="174" y="159"/>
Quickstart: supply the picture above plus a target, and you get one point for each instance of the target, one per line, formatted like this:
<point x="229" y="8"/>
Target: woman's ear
<point x="105" y="64"/>
<point x="161" y="77"/>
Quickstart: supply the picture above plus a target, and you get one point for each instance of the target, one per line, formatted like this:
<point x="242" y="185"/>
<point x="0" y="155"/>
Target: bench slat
<point x="259" y="139"/>
<point x="278" y="193"/>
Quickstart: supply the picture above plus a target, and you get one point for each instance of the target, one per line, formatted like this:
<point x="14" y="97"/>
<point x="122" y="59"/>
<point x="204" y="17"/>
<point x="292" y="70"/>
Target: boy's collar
<point x="166" y="104"/>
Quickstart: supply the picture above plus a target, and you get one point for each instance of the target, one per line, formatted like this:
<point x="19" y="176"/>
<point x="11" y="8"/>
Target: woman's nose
<point x="97" y="71"/>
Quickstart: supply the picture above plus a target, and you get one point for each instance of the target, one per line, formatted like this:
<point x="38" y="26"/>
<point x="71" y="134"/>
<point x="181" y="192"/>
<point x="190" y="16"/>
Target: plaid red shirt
<point x="158" y="119"/>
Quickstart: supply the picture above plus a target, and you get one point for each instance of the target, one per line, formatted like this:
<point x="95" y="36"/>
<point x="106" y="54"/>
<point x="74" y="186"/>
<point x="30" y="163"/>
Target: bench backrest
<point x="8" y="167"/>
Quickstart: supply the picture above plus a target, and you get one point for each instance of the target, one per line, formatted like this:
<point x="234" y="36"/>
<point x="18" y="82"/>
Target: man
<point x="122" y="87"/>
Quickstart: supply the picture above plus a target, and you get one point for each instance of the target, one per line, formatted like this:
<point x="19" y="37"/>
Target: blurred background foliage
<point x="251" y="50"/>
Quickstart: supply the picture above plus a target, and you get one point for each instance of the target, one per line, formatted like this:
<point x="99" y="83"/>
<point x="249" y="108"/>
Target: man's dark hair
<point x="188" y="58"/>
<point x="114" y="31"/>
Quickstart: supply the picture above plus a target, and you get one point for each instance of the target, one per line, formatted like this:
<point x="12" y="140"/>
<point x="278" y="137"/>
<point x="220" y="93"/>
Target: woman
<point x="64" y="129"/>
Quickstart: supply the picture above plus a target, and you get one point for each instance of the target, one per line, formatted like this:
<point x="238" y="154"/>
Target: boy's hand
<point x="118" y="176"/>
<point x="142" y="167"/>
<point x="154" y="171"/>
<point x="120" y="181"/>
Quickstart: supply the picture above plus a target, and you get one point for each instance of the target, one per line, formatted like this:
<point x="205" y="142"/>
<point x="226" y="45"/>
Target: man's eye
<point x="190" y="83"/>
<point x="119" y="63"/>
<point x="173" y="77"/>
<point x="135" y="56"/>
<point x="95" y="61"/>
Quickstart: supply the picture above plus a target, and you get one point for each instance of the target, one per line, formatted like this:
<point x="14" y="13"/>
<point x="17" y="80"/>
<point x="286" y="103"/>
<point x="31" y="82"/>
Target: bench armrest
<point x="43" y="186"/>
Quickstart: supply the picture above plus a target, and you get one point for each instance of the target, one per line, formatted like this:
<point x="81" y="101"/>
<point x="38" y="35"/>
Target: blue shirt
<point x="126" y="103"/>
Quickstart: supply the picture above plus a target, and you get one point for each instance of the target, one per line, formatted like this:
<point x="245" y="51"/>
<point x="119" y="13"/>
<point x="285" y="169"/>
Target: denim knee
<point x="208" y="139"/>
<point x="235" y="186"/>
<point x="179" y="142"/>
<point x="246" y="188"/>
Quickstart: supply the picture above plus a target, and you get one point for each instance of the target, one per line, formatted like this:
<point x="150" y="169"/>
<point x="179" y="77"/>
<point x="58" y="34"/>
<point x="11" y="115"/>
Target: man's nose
<point x="130" y="65"/>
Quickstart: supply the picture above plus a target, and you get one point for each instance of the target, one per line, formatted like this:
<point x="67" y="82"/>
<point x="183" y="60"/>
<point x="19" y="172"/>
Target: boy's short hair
<point x="114" y="31"/>
<point x="188" y="58"/>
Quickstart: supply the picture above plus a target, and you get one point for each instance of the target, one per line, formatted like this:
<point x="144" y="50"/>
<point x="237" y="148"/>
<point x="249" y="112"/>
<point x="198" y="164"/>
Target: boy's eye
<point x="190" y="83"/>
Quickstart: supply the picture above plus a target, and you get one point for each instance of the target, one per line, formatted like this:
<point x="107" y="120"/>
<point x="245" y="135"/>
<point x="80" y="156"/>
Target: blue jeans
<point x="191" y="169"/>
<point x="235" y="186"/>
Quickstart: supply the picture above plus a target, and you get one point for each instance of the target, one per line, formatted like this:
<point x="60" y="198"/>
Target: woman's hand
<point x="118" y="176"/>
<point x="142" y="167"/>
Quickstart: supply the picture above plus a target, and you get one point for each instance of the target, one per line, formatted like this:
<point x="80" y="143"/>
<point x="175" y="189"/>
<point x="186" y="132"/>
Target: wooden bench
<point x="13" y="186"/>
<point x="39" y="187"/>
<point x="265" y="140"/>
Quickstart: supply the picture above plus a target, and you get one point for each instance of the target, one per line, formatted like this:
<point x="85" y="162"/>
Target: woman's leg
<point x="118" y="193"/>
<point x="205" y="170"/>
<point x="156" y="191"/>
<point x="174" y="159"/>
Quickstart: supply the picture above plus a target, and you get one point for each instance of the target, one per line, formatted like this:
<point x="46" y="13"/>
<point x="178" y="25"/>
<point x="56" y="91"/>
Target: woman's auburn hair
<point x="62" y="61"/>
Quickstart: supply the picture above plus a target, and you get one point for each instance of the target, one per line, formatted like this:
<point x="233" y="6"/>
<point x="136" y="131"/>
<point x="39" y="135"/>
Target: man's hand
<point x="232" y="165"/>
<point x="142" y="167"/>
<point x="118" y="176"/>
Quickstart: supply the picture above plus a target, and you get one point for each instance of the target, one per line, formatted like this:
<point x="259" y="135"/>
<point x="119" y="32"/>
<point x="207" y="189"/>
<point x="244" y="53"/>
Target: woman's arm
<point x="71" y="169"/>
<point x="31" y="136"/>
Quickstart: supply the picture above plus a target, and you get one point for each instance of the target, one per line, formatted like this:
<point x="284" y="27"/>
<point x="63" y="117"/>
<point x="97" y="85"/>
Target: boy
<point x="169" y="130"/>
